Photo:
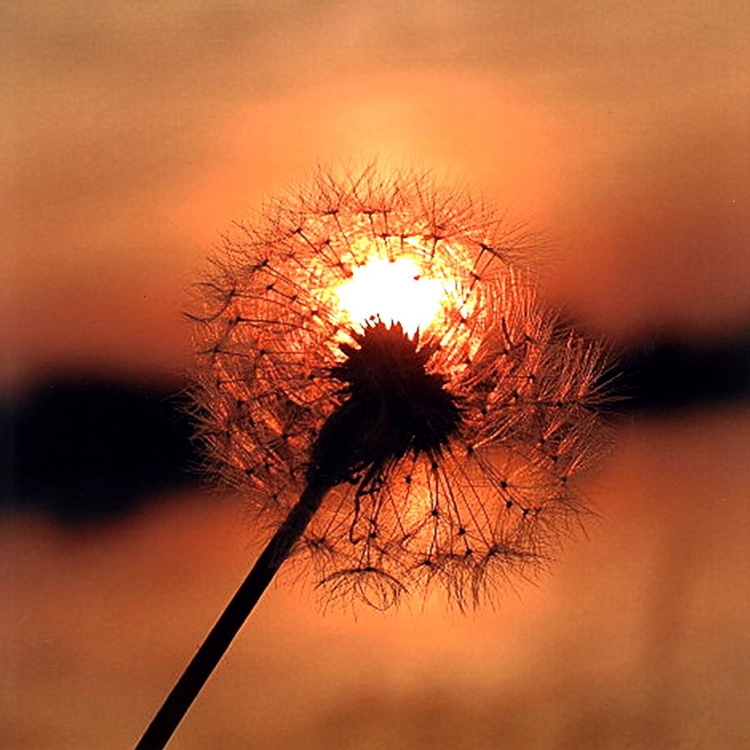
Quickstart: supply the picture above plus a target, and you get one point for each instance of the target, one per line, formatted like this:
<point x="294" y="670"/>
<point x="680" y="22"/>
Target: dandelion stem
<point x="213" y="648"/>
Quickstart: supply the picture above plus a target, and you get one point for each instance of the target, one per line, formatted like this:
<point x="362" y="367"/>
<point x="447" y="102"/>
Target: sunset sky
<point x="136" y="133"/>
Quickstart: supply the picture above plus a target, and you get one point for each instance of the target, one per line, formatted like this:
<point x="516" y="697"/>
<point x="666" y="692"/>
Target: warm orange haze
<point x="615" y="135"/>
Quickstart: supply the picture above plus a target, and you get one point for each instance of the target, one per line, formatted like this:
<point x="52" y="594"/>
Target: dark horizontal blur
<point x="86" y="450"/>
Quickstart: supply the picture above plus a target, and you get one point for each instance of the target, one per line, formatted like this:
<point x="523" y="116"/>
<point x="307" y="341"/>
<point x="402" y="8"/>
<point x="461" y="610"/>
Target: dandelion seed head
<point x="384" y="338"/>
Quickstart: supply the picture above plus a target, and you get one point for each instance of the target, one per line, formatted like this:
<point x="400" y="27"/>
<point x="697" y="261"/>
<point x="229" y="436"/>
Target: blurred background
<point x="135" y="133"/>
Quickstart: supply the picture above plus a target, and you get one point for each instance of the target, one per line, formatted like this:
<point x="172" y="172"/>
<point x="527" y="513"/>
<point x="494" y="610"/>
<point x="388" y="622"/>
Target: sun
<point x="392" y="291"/>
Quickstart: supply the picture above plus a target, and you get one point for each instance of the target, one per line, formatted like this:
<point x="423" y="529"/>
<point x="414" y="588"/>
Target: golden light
<point x="394" y="291"/>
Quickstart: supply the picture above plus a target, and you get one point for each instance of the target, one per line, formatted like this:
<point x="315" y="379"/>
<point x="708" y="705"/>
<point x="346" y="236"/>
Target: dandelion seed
<point x="377" y="375"/>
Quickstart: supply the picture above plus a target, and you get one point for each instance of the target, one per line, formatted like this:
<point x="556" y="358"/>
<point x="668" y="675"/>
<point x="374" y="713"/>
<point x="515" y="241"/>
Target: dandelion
<point x="379" y="378"/>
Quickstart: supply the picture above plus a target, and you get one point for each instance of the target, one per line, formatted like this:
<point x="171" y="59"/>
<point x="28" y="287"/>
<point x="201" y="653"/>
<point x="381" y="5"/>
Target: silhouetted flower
<point x="383" y="340"/>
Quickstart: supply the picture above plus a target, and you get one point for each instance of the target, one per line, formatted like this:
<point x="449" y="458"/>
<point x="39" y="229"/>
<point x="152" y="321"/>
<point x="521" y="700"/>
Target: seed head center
<point x="393" y="406"/>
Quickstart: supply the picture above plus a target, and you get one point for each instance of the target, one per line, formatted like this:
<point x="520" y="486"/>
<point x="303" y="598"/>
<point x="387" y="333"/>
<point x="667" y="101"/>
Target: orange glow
<point x="394" y="291"/>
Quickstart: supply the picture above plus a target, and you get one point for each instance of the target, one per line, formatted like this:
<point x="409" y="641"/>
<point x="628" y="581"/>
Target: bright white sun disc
<point x="391" y="291"/>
